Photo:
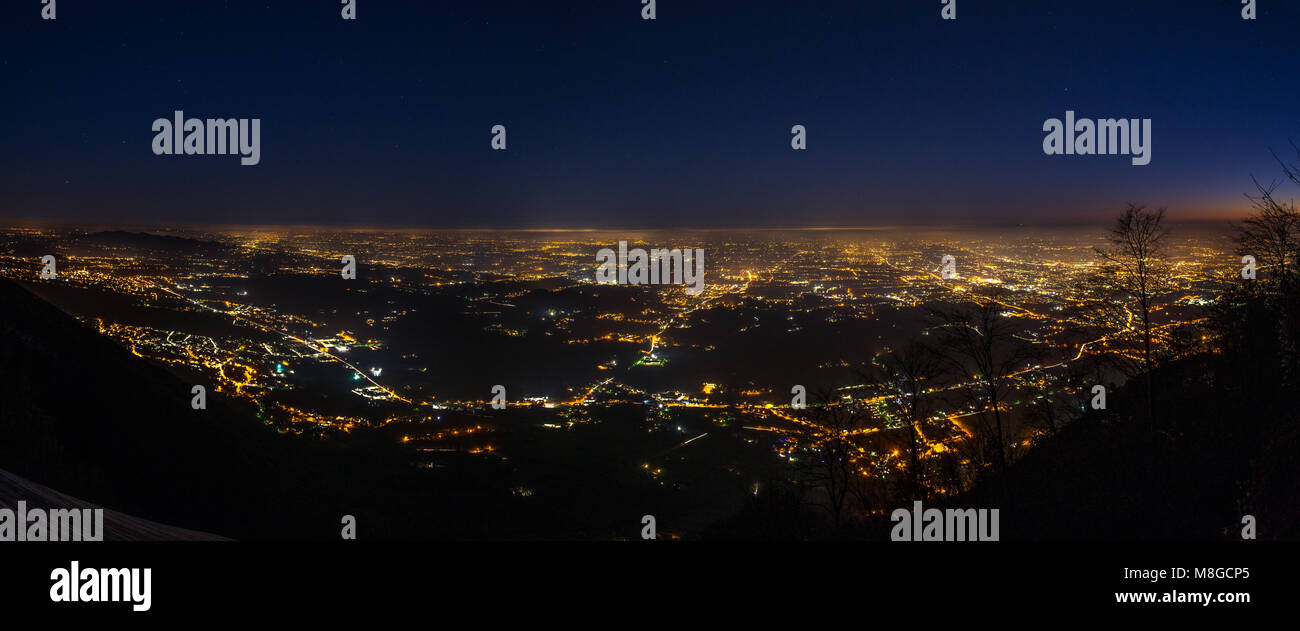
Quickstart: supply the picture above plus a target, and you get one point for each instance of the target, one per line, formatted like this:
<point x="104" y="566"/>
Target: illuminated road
<point x="286" y="335"/>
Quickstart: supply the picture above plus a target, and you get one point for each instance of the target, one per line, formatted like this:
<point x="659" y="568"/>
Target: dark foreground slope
<point x="117" y="526"/>
<point x="1218" y="454"/>
<point x="1226" y="446"/>
<point x="80" y="414"/>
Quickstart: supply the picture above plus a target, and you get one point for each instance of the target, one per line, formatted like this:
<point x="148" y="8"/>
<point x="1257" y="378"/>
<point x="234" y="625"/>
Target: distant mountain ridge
<point x="148" y="241"/>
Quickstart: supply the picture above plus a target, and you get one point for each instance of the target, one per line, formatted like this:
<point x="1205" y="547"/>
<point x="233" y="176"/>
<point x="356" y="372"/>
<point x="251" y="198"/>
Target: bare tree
<point x="1063" y="389"/>
<point x="985" y="355"/>
<point x="834" y="429"/>
<point x="1136" y="266"/>
<point x="906" y="377"/>
<point x="1272" y="236"/>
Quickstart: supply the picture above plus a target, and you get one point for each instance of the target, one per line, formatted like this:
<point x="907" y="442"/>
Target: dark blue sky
<point x="614" y="121"/>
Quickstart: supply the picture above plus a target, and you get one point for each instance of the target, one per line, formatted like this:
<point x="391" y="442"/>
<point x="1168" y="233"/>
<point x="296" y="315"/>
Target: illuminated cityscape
<point x="696" y="389"/>
<point x="406" y="306"/>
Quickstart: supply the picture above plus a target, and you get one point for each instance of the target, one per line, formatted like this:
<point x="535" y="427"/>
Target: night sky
<point x="614" y="121"/>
